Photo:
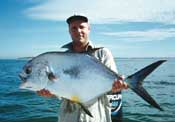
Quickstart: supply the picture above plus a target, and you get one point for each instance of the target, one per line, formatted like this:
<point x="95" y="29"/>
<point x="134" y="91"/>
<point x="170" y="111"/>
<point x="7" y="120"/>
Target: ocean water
<point x="24" y="106"/>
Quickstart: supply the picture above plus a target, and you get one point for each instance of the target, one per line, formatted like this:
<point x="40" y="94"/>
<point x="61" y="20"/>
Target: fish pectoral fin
<point x="85" y="109"/>
<point x="51" y="76"/>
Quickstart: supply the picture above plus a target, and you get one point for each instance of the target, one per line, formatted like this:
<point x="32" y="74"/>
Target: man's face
<point x="79" y="31"/>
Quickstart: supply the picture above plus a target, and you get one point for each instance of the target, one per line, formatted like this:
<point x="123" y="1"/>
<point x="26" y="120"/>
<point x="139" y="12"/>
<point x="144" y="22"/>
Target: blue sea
<point x="25" y="106"/>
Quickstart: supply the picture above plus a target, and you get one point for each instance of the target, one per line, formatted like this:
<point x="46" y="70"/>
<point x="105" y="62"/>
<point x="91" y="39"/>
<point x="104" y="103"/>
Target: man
<point x="79" y="30"/>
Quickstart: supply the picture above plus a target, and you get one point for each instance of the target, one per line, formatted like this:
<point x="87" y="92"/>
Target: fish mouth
<point x="24" y="85"/>
<point x="23" y="79"/>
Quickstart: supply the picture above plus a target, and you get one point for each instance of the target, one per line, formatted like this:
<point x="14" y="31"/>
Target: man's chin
<point x="79" y="42"/>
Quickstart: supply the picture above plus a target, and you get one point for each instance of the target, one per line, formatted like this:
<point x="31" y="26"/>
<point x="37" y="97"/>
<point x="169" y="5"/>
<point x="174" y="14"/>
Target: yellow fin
<point x="75" y="98"/>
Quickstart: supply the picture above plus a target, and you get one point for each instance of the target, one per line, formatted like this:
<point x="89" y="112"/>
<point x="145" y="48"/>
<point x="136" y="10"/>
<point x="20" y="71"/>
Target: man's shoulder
<point x="67" y="45"/>
<point x="103" y="51"/>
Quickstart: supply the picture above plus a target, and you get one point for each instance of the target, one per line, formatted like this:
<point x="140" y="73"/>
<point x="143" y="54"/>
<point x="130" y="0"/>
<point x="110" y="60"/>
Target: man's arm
<point x="119" y="85"/>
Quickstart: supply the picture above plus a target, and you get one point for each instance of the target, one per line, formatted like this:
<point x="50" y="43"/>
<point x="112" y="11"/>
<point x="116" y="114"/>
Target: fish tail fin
<point x="135" y="82"/>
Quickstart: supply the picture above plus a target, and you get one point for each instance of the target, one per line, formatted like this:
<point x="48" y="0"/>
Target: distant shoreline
<point x="25" y="58"/>
<point x="29" y="58"/>
<point x="144" y="57"/>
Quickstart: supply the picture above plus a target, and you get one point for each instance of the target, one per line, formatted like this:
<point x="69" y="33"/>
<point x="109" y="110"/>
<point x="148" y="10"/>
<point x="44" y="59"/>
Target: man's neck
<point x="79" y="47"/>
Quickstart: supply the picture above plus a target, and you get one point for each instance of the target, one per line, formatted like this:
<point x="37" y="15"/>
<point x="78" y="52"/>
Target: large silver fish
<point x="80" y="78"/>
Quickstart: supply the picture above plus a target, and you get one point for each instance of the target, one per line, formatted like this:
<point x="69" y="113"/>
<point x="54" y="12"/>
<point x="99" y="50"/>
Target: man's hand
<point x="119" y="85"/>
<point x="45" y="93"/>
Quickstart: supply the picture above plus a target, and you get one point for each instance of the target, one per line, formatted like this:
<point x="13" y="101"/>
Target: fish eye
<point x="51" y="76"/>
<point x="28" y="70"/>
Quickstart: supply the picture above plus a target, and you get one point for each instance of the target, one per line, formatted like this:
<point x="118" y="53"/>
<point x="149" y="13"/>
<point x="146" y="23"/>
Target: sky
<point x="129" y="28"/>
